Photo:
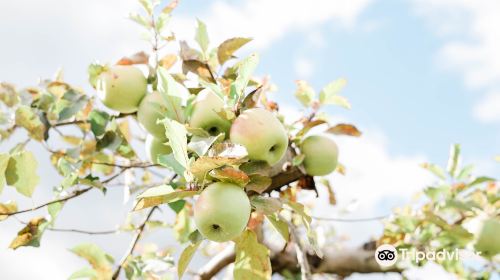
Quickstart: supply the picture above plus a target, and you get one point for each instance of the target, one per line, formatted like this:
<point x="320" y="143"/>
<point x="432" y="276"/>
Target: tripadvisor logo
<point x="386" y="255"/>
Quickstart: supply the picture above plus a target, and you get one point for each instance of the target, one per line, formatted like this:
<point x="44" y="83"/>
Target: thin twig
<point x="68" y="197"/>
<point x="347" y="220"/>
<point x="135" y="240"/>
<point x="305" y="268"/>
<point x="135" y="165"/>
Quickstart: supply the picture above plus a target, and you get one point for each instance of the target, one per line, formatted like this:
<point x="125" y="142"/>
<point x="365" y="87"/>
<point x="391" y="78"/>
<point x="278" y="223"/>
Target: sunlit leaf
<point x="480" y="180"/>
<point x="305" y="93"/>
<point x="258" y="183"/>
<point x="160" y="195"/>
<point x="201" y="145"/>
<point x="453" y="160"/>
<point x="21" y="173"/>
<point x="309" y="125"/>
<point x="279" y="225"/>
<point x="30" y="235"/>
<point x="29" y="120"/>
<point x="173" y="97"/>
<point x="202" y="36"/>
<point x="8" y="94"/>
<point x="204" y="164"/>
<point x="245" y="70"/>
<point x="266" y="205"/>
<point x="4" y="161"/>
<point x="434" y="169"/>
<point x="227" y="48"/>
<point x="344" y="129"/>
<point x="252" y="258"/>
<point x="100" y="261"/>
<point x="299" y="209"/>
<point x="94" y="70"/>
<point x="185" y="258"/>
<point x="330" y="94"/>
<point x="230" y="175"/>
<point x="6" y="208"/>
<point x="177" y="137"/>
<point x="84" y="273"/>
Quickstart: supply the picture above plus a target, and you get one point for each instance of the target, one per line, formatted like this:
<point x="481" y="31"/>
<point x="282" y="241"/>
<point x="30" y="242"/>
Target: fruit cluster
<point x="222" y="210"/>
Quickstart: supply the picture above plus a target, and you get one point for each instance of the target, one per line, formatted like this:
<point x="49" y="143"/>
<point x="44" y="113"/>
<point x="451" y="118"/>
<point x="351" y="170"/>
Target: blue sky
<point x="421" y="75"/>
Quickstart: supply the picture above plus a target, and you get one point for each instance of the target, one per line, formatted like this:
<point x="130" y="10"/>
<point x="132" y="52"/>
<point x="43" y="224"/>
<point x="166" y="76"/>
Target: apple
<point x="205" y="116"/>
<point x="487" y="241"/>
<point x="222" y="211"/>
<point x="156" y="147"/>
<point x="321" y="155"/>
<point x="121" y="88"/>
<point x="150" y="111"/>
<point x="261" y="133"/>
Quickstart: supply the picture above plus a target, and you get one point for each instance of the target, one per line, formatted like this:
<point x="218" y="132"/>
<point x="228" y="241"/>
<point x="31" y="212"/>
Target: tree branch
<point x="121" y="115"/>
<point x="284" y="178"/>
<point x="342" y="262"/>
<point x="135" y="240"/>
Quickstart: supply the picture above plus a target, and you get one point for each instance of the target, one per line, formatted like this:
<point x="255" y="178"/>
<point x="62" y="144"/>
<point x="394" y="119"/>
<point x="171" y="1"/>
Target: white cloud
<point x="488" y="109"/>
<point x="471" y="29"/>
<point x="303" y="67"/>
<point x="267" y="21"/>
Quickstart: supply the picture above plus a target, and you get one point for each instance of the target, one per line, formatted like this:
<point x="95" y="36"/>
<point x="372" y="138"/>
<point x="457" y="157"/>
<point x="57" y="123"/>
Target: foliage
<point x="98" y="149"/>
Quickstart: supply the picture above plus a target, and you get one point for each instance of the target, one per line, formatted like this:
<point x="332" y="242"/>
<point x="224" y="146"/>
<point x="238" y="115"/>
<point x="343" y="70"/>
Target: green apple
<point x="487" y="241"/>
<point x="156" y="147"/>
<point x="205" y="116"/>
<point x="121" y="88"/>
<point x="321" y="155"/>
<point x="262" y="134"/>
<point x="150" y="111"/>
<point x="222" y="211"/>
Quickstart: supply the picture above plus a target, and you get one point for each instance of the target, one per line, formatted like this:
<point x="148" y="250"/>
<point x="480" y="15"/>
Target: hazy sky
<point x="421" y="75"/>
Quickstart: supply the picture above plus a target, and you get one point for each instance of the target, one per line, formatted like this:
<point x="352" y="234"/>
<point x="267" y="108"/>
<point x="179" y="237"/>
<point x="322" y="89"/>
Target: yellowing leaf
<point x="21" y="173"/>
<point x="344" y="129"/>
<point x="203" y="165"/>
<point x="98" y="259"/>
<point x="252" y="258"/>
<point x="4" y="161"/>
<point x="305" y="93"/>
<point x="6" y="208"/>
<point x="30" y="235"/>
<point x="186" y="257"/>
<point x="266" y="205"/>
<point x="160" y="195"/>
<point x="8" y="94"/>
<point x="231" y="175"/>
<point x="168" y="61"/>
<point x="30" y="121"/>
<point x="137" y="58"/>
<point x="227" y="48"/>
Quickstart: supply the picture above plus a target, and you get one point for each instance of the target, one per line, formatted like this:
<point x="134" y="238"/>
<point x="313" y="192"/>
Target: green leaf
<point x="434" y="169"/>
<point x="186" y="256"/>
<point x="202" y="36"/>
<point x="201" y="145"/>
<point x="29" y="120"/>
<point x="227" y="48"/>
<point x="252" y="258"/>
<point x="6" y="208"/>
<point x="245" y="71"/>
<point x="4" y="161"/>
<point x="266" y="205"/>
<point x="98" y="259"/>
<point x="305" y="93"/>
<point x="70" y="104"/>
<point x="140" y="19"/>
<point x="298" y="159"/>
<point x="21" y="173"/>
<point x="279" y="225"/>
<point x="300" y="210"/>
<point x="453" y="160"/>
<point x="169" y="161"/>
<point x="258" y="183"/>
<point x="480" y="180"/>
<point x="329" y="95"/>
<point x="8" y="94"/>
<point x="465" y="172"/>
<point x="53" y="210"/>
<point x="160" y="195"/>
<point x="172" y="95"/>
<point x="98" y="121"/>
<point x="86" y="272"/>
<point x="31" y="234"/>
<point x="177" y="137"/>
<point x="94" y="70"/>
